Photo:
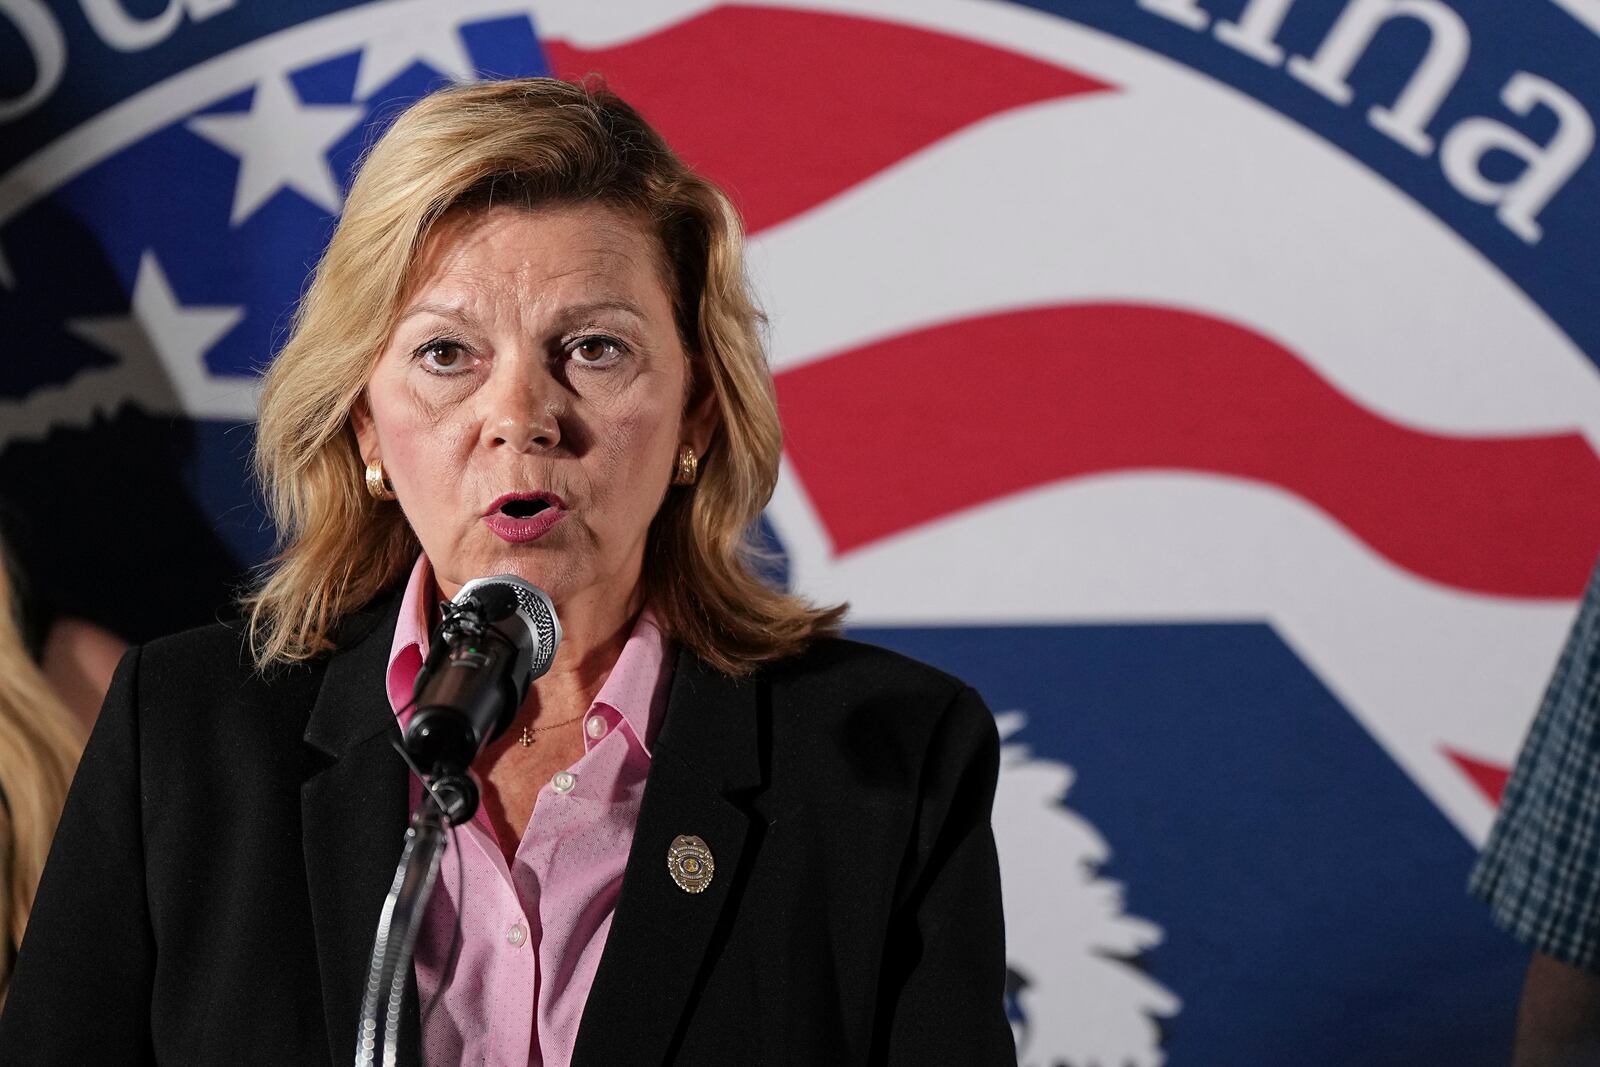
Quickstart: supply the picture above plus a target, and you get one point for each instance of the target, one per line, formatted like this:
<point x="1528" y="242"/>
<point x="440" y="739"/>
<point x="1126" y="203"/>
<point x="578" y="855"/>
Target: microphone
<point x="494" y="639"/>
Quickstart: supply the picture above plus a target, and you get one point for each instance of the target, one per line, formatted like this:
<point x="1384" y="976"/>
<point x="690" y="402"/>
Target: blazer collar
<point x="707" y="755"/>
<point x="353" y="811"/>
<point x="347" y="713"/>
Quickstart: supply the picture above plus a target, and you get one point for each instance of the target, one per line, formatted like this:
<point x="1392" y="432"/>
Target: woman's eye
<point x="595" y="350"/>
<point x="442" y="357"/>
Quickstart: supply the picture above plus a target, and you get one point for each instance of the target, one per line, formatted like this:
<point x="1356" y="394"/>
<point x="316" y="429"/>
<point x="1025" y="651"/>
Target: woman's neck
<point x="593" y="637"/>
<point x="575" y="678"/>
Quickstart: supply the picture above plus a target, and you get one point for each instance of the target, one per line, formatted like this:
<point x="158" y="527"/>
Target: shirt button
<point x="596" y="726"/>
<point x="564" y="782"/>
<point x="517" y="934"/>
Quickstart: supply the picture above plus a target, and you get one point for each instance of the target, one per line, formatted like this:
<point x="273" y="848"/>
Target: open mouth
<point x="523" y="509"/>
<point x="525" y="505"/>
<point x="522" y="517"/>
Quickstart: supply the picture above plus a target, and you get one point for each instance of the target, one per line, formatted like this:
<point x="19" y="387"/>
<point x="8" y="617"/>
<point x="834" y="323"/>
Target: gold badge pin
<point x="690" y="864"/>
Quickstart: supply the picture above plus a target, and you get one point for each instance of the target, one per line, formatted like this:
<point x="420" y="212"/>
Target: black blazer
<point x="214" y="887"/>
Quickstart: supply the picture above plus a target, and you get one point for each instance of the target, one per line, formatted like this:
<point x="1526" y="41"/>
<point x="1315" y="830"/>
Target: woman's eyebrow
<point x="444" y="311"/>
<point x="590" y="308"/>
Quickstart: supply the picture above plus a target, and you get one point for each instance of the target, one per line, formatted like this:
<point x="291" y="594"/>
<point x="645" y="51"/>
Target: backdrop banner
<point x="1212" y="383"/>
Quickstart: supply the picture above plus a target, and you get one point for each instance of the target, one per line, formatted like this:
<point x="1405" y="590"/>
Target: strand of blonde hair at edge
<point x="39" y="746"/>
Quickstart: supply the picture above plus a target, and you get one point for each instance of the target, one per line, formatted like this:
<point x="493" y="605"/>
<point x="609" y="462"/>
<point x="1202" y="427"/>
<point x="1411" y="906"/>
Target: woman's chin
<point x="557" y="576"/>
<point x="543" y="569"/>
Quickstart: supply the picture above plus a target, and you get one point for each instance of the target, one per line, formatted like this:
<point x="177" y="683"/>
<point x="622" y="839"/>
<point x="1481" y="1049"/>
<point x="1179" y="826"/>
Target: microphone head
<point x="521" y="611"/>
<point x="471" y="685"/>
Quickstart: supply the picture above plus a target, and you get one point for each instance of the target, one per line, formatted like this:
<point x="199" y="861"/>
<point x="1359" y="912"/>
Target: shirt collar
<point x="410" y="645"/>
<point x="635" y="691"/>
<point x="636" y="688"/>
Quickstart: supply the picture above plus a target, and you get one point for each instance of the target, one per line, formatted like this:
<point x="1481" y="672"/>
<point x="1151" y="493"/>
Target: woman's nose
<point x="525" y="409"/>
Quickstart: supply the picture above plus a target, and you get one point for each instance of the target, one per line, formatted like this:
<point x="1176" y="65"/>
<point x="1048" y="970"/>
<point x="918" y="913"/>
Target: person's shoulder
<point x="844" y="681"/>
<point x="213" y="663"/>
<point x="855" y="666"/>
<point x="222" y="650"/>
<point x="852" y="720"/>
<point x="213" y="643"/>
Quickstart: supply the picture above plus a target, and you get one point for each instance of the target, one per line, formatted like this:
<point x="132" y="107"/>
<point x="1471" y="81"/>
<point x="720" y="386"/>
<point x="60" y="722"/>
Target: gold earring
<point x="378" y="484"/>
<point x="688" y="468"/>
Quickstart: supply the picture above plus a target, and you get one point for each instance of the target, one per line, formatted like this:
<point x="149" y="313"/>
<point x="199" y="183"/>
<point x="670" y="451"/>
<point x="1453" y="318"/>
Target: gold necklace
<point x="526" y="738"/>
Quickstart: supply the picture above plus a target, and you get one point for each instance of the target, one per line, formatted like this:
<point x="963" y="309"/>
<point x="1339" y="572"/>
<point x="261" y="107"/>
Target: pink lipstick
<point x="522" y="517"/>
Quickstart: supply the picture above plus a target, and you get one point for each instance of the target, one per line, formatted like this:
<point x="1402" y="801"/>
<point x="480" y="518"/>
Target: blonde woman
<point x="39" y="745"/>
<point x="714" y="834"/>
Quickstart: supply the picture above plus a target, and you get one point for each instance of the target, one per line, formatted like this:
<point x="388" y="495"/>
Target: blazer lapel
<point x="655" y="953"/>
<point x="353" y="822"/>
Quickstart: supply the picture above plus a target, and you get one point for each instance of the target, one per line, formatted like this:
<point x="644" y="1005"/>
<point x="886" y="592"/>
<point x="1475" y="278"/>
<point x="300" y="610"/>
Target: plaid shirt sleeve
<point x="1540" y="872"/>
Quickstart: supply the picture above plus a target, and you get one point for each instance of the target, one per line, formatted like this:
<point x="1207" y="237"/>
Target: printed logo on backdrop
<point x="1159" y="316"/>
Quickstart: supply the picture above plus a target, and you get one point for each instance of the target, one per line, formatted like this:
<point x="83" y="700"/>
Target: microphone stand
<point x="448" y="800"/>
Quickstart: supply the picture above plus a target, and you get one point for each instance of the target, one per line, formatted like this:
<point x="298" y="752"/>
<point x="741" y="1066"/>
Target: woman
<point x="38" y="749"/>
<point x="715" y="834"/>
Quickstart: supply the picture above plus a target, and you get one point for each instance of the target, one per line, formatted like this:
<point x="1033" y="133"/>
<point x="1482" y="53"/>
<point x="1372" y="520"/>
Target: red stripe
<point x="786" y="109"/>
<point x="926" y="424"/>
<point x="1490" y="778"/>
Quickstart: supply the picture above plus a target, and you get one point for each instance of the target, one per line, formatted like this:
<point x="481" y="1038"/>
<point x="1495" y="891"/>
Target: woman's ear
<point x="366" y="429"/>
<point x="701" y="419"/>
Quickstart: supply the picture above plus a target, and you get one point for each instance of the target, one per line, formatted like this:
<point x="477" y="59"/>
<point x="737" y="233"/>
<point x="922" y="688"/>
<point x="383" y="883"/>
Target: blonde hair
<point x="529" y="142"/>
<point x="39" y="746"/>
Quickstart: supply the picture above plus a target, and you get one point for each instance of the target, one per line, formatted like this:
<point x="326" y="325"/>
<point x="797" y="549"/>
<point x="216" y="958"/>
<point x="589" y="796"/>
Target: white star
<point x="164" y="339"/>
<point x="281" y="143"/>
<point x="414" y="33"/>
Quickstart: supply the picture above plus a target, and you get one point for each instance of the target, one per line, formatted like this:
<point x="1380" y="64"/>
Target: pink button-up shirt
<point x="532" y="934"/>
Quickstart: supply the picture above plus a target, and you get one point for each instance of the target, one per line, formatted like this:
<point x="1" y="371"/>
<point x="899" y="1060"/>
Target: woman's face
<point x="530" y="402"/>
